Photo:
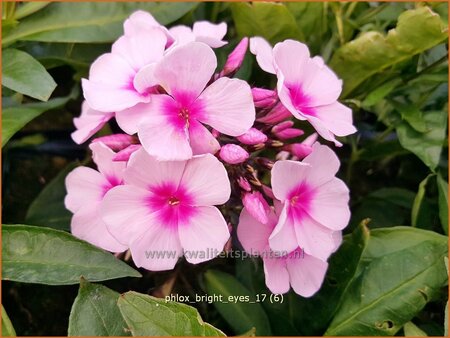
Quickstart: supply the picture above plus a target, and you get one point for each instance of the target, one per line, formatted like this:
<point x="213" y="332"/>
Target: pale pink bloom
<point x="141" y="21"/>
<point x="306" y="86"/>
<point x="116" y="81"/>
<point x="252" y="136"/>
<point x="233" y="154"/>
<point x="256" y="205"/>
<point x="167" y="208"/>
<point x="124" y="154"/>
<point x="116" y="141"/>
<point x="174" y="129"/>
<point x="282" y="269"/>
<point x="235" y="59"/>
<point x="88" y="123"/>
<point x="86" y="188"/>
<point x="315" y="203"/>
<point x="202" y="31"/>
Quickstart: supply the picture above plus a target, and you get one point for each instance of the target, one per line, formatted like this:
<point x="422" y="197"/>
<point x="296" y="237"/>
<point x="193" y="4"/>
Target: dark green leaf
<point x="417" y="30"/>
<point x="380" y="93"/>
<point x="95" y="312"/>
<point x="29" y="8"/>
<point x="32" y="254"/>
<point x="22" y="73"/>
<point x="412" y="330"/>
<point x="241" y="315"/>
<point x="402" y="269"/>
<point x="427" y="146"/>
<point x="272" y="21"/>
<point x="7" y="327"/>
<point x="90" y="21"/>
<point x="413" y="116"/>
<point x="418" y="200"/>
<point x="150" y="316"/>
<point x="48" y="207"/>
<point x="443" y="202"/>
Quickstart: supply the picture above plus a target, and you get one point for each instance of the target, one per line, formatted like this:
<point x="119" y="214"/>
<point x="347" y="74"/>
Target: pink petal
<point x="286" y="175"/>
<point x="306" y="274"/>
<point x="129" y="119"/>
<point x="141" y="49"/>
<point x="322" y="130"/>
<point x="201" y="139"/>
<point x="84" y="186"/>
<point x="160" y="241"/>
<point x="315" y="239"/>
<point x="257" y="206"/>
<point x="89" y="122"/>
<point x="324" y="165"/>
<point x="329" y="207"/>
<point x="103" y="158"/>
<point x="186" y="68"/>
<point x="263" y="51"/>
<point x="277" y="276"/>
<point x="138" y="21"/>
<point x="160" y="137"/>
<point x="125" y="212"/>
<point x="124" y="154"/>
<point x="291" y="59"/>
<point x="87" y="225"/>
<point x="206" y="179"/>
<point x="145" y="80"/>
<point x="254" y="235"/>
<point x="205" y="235"/>
<point x="144" y="170"/>
<point x="182" y="35"/>
<point x="116" y="141"/>
<point x="337" y="118"/>
<point x="101" y="70"/>
<point x="209" y="33"/>
<point x="228" y="106"/>
<point x="282" y="240"/>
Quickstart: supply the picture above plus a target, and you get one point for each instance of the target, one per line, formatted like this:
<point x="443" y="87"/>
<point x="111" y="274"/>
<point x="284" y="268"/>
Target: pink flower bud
<point x="124" y="154"/>
<point x="299" y="149"/>
<point x="282" y="126"/>
<point x="289" y="133"/>
<point x="264" y="98"/>
<point x="233" y="154"/>
<point x="277" y="114"/>
<point x="235" y="59"/>
<point x="252" y="136"/>
<point x="243" y="183"/>
<point x="116" y="141"/>
<point x="311" y="139"/>
<point x="257" y="206"/>
<point x="268" y="191"/>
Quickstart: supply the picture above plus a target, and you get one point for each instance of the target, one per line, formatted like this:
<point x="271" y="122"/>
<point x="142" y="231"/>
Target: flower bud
<point x="282" y="126"/>
<point x="264" y="98"/>
<point x="233" y="154"/>
<point x="257" y="206"/>
<point x="252" y="136"/>
<point x="289" y="133"/>
<point x="124" y="154"/>
<point x="243" y="183"/>
<point x="116" y="141"/>
<point x="303" y="149"/>
<point x="235" y="59"/>
<point x="276" y="114"/>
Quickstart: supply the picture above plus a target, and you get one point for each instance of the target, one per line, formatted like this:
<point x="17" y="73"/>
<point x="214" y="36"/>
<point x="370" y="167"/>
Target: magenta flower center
<point x="184" y="108"/>
<point x="300" y="201"/>
<point x="300" y="99"/>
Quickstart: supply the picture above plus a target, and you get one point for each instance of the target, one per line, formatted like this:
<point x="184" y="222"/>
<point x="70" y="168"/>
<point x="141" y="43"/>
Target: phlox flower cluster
<point x="191" y="153"/>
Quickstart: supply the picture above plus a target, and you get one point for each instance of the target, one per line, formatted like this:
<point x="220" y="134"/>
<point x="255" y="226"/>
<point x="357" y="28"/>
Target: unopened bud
<point x="124" y="154"/>
<point x="235" y="59"/>
<point x="289" y="133"/>
<point x="277" y="114"/>
<point x="252" y="136"/>
<point x="233" y="154"/>
<point x="257" y="206"/>
<point x="243" y="183"/>
<point x="264" y="98"/>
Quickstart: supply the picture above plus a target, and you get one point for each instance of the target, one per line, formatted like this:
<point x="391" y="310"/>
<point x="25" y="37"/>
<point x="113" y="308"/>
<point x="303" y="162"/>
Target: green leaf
<point x="48" y="207"/>
<point x="380" y="93"/>
<point x="413" y="116"/>
<point x="23" y="74"/>
<point x="16" y="117"/>
<point x="150" y="316"/>
<point x="89" y="22"/>
<point x="412" y="330"/>
<point x="401" y="270"/>
<point x="95" y="312"/>
<point x="7" y="327"/>
<point x="418" y="201"/>
<point x="443" y="201"/>
<point x="272" y="21"/>
<point x="29" y="8"/>
<point x="427" y="146"/>
<point x="32" y="254"/>
<point x="240" y="314"/>
<point x="417" y="30"/>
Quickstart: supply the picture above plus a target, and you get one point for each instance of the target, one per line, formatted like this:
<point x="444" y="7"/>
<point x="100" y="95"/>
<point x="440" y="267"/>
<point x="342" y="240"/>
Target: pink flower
<point x="202" y="31"/>
<point x="166" y="209"/>
<point x="86" y="188"/>
<point x="315" y="203"/>
<point x="306" y="86"/>
<point x="115" y="79"/>
<point x="88" y="123"/>
<point x="174" y="130"/>
<point x="124" y="154"/>
<point x="233" y="154"/>
<point x="282" y="269"/>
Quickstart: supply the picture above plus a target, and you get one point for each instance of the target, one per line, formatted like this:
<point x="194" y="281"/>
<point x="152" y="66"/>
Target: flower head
<point x="166" y="209"/>
<point x="86" y="188"/>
